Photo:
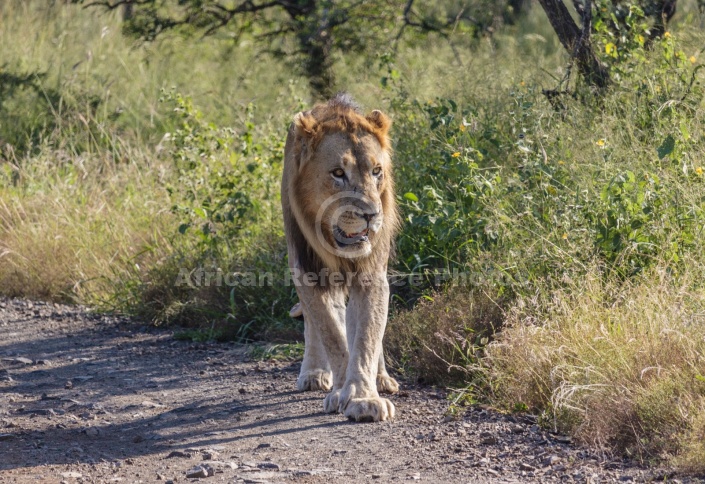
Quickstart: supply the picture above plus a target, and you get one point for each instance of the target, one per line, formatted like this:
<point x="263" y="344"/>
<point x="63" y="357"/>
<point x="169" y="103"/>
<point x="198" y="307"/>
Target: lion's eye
<point x="377" y="171"/>
<point x="338" y="173"/>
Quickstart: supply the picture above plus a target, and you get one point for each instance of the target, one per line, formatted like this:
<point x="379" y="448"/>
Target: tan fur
<point x="323" y="212"/>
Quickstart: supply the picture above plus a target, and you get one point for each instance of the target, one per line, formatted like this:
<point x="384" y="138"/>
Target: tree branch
<point x="577" y="41"/>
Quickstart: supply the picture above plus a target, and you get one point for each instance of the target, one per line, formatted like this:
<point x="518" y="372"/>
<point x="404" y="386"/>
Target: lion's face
<point x="343" y="192"/>
<point x="348" y="178"/>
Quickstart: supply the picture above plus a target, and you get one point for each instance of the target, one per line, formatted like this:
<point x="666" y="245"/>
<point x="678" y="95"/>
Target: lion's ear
<point x="379" y="121"/>
<point x="305" y="124"/>
<point x="304" y="129"/>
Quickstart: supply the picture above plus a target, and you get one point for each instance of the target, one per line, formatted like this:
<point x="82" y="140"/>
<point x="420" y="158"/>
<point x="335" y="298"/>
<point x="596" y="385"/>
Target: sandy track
<point x="86" y="398"/>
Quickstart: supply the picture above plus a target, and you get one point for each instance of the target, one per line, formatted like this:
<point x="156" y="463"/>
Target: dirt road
<point x="89" y="398"/>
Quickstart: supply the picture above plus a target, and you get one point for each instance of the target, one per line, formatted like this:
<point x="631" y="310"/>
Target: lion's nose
<point x="367" y="216"/>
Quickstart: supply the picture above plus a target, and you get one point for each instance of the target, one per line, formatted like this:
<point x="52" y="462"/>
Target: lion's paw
<point x="313" y="380"/>
<point x="331" y="404"/>
<point x="370" y="409"/>
<point x="387" y="384"/>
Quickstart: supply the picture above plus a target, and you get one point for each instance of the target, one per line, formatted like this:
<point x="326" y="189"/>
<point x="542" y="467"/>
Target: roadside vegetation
<point x="551" y="259"/>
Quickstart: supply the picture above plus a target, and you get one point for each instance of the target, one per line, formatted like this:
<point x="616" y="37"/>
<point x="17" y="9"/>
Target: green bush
<point x="226" y="269"/>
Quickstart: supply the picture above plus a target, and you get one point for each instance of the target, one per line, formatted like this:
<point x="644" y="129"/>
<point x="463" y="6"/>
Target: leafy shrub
<point x="227" y="267"/>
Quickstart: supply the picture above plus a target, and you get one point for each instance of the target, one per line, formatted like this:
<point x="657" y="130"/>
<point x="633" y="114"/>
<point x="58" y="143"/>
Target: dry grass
<point x="441" y="339"/>
<point x="75" y="228"/>
<point x="618" y="367"/>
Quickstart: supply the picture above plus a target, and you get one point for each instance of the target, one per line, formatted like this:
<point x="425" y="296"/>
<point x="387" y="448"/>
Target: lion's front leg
<point x="366" y="318"/>
<point x="315" y="371"/>
<point x="325" y="353"/>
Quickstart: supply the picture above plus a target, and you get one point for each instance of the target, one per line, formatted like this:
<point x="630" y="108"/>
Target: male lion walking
<point x="340" y="218"/>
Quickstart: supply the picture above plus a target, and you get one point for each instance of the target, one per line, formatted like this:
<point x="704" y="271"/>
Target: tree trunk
<point x="576" y="42"/>
<point x="315" y="39"/>
<point x="516" y="8"/>
<point x="317" y="64"/>
<point x="127" y="11"/>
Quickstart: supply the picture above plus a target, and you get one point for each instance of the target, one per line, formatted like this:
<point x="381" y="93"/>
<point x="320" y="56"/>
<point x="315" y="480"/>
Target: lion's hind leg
<point x="385" y="383"/>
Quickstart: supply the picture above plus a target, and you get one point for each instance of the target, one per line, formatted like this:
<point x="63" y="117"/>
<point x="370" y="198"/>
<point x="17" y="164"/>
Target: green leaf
<point x="666" y="147"/>
<point x="411" y="196"/>
<point x="183" y="228"/>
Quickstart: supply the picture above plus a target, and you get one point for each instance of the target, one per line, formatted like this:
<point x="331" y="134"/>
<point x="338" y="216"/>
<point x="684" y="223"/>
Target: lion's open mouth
<point x="344" y="239"/>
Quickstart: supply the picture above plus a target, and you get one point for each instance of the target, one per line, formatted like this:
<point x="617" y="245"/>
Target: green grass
<point x="577" y="227"/>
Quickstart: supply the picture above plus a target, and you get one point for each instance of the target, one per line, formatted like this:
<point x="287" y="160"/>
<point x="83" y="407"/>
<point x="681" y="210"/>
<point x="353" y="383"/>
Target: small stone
<point x="269" y="466"/>
<point x="492" y="471"/>
<point x="626" y="478"/>
<point x="487" y="438"/>
<point x="200" y="471"/>
<point x="551" y="460"/>
<point x="526" y="467"/>
<point x="68" y="385"/>
<point x="339" y="452"/>
<point x="242" y="390"/>
<point x="415" y="477"/>
<point x="149" y="404"/>
<point x="71" y="474"/>
<point x="137" y="439"/>
<point x="178" y="453"/>
<point x="264" y="446"/>
<point x="19" y="359"/>
<point x="92" y="431"/>
<point x="160" y="477"/>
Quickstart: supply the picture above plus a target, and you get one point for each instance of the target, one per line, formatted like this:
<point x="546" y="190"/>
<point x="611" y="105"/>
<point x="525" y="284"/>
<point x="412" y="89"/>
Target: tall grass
<point x="75" y="228"/>
<point x="619" y="366"/>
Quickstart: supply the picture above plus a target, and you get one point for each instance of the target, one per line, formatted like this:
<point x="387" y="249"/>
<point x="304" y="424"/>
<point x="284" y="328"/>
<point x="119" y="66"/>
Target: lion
<point x="340" y="219"/>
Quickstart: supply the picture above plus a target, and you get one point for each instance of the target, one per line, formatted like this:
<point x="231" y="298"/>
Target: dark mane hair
<point x="344" y="101"/>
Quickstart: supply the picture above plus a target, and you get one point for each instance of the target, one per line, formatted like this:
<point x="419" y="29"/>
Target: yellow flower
<point x="565" y="236"/>
<point x="667" y="35"/>
<point x="609" y="48"/>
<point x="463" y="128"/>
<point x="692" y="59"/>
<point x="522" y="84"/>
<point x="641" y="39"/>
<point x="456" y="154"/>
<point x="561" y="162"/>
<point x="699" y="171"/>
<point x="601" y="142"/>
